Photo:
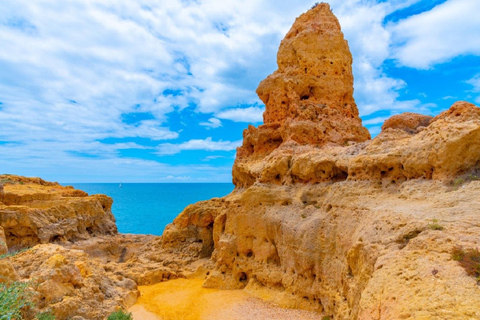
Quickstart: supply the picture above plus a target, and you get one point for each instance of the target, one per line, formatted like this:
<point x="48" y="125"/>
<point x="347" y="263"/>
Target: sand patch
<point x="186" y="299"/>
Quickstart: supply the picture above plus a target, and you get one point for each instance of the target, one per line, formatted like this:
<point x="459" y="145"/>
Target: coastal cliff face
<point x="322" y="217"/>
<point x="64" y="244"/>
<point x="34" y="211"/>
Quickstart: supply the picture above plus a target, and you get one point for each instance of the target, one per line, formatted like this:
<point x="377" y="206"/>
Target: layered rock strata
<point x="34" y="211"/>
<point x="325" y="219"/>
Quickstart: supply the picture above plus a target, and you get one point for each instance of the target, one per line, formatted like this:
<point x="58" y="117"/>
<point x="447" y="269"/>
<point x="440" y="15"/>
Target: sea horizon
<point x="147" y="207"/>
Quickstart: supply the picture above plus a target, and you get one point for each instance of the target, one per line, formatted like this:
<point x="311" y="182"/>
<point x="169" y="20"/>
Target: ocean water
<point x="146" y="208"/>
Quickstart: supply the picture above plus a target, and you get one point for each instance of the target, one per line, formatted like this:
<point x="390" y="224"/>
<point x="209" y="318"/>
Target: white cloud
<point x="369" y="41"/>
<point x="376" y="120"/>
<point x="475" y="83"/>
<point x="209" y="158"/>
<point x="447" y="31"/>
<point x="212" y="123"/>
<point x="198" y="144"/>
<point x="250" y="114"/>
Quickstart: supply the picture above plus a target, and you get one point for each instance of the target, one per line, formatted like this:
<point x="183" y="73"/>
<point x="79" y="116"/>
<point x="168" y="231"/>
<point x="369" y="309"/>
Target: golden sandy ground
<point x="185" y="299"/>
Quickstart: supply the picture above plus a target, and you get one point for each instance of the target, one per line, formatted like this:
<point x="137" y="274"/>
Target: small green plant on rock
<point x="11" y="254"/>
<point x="469" y="260"/>
<point x="120" y="315"/>
<point x="465" y="178"/>
<point x="14" y="298"/>
<point x="434" y="225"/>
<point x="45" y="316"/>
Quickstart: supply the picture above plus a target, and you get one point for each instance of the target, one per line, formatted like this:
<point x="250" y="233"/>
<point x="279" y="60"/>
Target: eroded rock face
<point x="34" y="211"/>
<point x="69" y="283"/>
<point x="325" y="219"/>
<point x="309" y="99"/>
<point x="408" y="122"/>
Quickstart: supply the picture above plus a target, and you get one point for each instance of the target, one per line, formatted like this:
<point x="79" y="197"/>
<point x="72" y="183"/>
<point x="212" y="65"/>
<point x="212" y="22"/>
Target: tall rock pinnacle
<point x="314" y="68"/>
<point x="309" y="99"/>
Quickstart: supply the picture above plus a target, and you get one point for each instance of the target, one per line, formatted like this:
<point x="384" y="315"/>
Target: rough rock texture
<point x="309" y="99"/>
<point x="331" y="221"/>
<point x="34" y="211"/>
<point x="348" y="233"/>
<point x="409" y="122"/>
<point x="91" y="270"/>
<point x="94" y="277"/>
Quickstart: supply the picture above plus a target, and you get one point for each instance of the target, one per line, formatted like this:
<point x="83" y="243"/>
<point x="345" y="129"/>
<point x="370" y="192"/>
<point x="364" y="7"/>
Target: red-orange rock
<point x="408" y="122"/>
<point x="309" y="99"/>
<point x="460" y="111"/>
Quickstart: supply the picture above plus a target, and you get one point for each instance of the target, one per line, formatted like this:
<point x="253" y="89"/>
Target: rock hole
<point x="329" y="207"/>
<point x="249" y="254"/>
<point x="304" y="97"/>
<point x="242" y="277"/>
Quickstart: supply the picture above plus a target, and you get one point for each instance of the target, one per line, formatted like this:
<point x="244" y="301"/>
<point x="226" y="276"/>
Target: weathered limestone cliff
<point x="322" y="218"/>
<point x="70" y="253"/>
<point x="34" y="211"/>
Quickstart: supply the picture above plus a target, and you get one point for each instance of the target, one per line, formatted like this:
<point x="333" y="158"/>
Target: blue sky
<point x="160" y="91"/>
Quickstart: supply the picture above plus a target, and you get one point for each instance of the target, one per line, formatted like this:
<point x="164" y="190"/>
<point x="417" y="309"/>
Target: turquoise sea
<point x="146" y="208"/>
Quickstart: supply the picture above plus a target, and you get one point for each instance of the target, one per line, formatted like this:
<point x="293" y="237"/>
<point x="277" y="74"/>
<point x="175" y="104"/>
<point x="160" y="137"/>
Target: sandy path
<point x="185" y="299"/>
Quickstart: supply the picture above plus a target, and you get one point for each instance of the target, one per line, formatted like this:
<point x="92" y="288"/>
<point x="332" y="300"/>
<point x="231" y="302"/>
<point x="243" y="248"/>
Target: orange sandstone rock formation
<point x="327" y="220"/>
<point x="91" y="270"/>
<point x="309" y="99"/>
<point x="34" y="211"/>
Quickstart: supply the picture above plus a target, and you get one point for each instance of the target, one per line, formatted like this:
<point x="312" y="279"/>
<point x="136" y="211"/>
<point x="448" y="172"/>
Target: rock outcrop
<point x="324" y="218"/>
<point x="309" y="99"/>
<point x="34" y="211"/>
<point x="64" y="243"/>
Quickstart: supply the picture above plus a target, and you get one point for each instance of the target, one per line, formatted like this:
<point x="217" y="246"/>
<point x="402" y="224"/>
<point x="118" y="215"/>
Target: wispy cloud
<point x="250" y="114"/>
<point x="447" y="31"/>
<point x="475" y="83"/>
<point x="212" y="123"/>
<point x="198" y="144"/>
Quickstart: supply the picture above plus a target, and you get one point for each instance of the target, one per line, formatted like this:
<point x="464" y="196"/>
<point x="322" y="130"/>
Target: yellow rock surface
<point x="34" y="211"/>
